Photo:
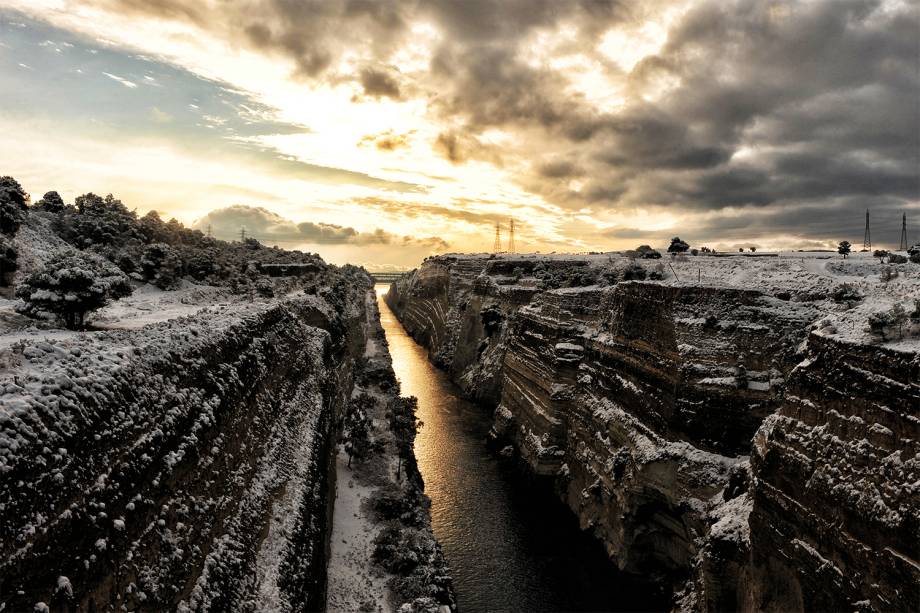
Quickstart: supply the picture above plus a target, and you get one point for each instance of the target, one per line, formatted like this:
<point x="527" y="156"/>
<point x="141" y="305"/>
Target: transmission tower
<point x="867" y="240"/>
<point x="511" y="235"/>
<point x="903" y="246"/>
<point x="210" y="233"/>
<point x="497" y="246"/>
<point x="242" y="235"/>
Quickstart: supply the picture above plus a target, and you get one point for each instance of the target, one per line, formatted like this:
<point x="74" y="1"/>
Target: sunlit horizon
<point x="594" y="129"/>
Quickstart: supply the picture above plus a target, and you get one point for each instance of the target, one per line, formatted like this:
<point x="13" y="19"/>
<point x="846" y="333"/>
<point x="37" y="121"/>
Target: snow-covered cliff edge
<point x="182" y="466"/>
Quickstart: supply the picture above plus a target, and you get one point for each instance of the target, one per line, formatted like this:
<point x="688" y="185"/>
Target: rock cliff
<point x="184" y="466"/>
<point x="640" y="400"/>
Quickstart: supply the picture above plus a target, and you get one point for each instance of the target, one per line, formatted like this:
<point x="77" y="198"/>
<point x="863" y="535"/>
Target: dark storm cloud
<point x="788" y="105"/>
<point x="459" y="147"/>
<point x="559" y="169"/>
<point x="270" y="228"/>
<point x="377" y="83"/>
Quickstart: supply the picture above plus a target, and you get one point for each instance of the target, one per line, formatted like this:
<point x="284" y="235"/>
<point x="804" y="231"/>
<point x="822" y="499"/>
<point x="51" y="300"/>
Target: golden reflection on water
<point x="510" y="547"/>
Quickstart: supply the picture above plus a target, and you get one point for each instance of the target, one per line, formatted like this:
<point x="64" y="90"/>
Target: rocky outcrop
<point x="184" y="466"/>
<point x="640" y="401"/>
<point x="836" y="493"/>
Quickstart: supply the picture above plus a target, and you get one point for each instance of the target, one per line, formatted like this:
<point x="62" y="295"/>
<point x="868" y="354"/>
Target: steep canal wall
<point x="686" y="425"/>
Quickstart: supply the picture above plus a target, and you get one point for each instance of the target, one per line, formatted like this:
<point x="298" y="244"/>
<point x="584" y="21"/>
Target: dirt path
<point x="355" y="583"/>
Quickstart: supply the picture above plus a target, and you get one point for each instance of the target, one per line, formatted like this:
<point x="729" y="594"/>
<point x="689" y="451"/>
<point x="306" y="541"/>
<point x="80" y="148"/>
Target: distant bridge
<point x="385" y="277"/>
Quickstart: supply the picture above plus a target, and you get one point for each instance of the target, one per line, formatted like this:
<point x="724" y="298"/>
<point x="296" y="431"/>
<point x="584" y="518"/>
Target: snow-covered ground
<point x="788" y="276"/>
<point x="355" y="583"/>
<point x="147" y="305"/>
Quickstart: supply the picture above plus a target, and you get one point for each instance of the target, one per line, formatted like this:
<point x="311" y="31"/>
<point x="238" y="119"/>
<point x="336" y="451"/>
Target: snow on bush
<point x="71" y="285"/>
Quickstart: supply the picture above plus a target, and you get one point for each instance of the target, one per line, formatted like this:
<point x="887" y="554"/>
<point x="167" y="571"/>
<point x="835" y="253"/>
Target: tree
<point x="11" y="215"/>
<point x="645" y="251"/>
<point x="11" y="190"/>
<point x="356" y="429"/>
<point x="844" y="248"/>
<point x="878" y="322"/>
<point x="71" y="285"/>
<point x="161" y="266"/>
<point x="898" y="317"/>
<point x="752" y="248"/>
<point x="881" y="254"/>
<point x="51" y="202"/>
<point x="677" y="246"/>
<point x="97" y="222"/>
<point x="403" y="425"/>
<point x="8" y="259"/>
<point x="888" y="273"/>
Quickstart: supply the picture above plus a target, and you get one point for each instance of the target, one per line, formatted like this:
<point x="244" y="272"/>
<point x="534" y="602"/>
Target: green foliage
<point x="71" y="285"/>
<point x="11" y="191"/>
<point x="677" y="245"/>
<point x="264" y="287"/>
<point x="95" y="222"/>
<point x="404" y="425"/>
<point x="11" y="215"/>
<point x="881" y="323"/>
<point x="8" y="259"/>
<point x="107" y="227"/>
<point x="846" y="293"/>
<point x="51" y="202"/>
<point x="356" y="430"/>
<point x="161" y="266"/>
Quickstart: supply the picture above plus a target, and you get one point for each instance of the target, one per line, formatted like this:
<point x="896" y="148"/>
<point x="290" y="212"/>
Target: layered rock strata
<point x="640" y="401"/>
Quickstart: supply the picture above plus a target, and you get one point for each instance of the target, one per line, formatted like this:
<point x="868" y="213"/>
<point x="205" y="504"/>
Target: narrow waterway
<point x="512" y="546"/>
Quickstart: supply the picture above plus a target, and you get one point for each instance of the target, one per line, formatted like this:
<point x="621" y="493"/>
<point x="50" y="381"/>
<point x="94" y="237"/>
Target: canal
<point x="511" y="544"/>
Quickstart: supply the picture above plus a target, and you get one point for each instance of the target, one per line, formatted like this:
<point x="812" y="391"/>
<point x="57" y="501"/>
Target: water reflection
<point x="511" y="546"/>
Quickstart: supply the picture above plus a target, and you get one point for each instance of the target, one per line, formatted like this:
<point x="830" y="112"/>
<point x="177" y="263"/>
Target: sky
<point x="379" y="132"/>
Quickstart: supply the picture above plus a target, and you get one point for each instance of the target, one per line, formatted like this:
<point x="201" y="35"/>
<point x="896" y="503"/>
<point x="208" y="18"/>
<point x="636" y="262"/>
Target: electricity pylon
<point x="511" y="236"/>
<point x="903" y="246"/>
<point x="867" y="239"/>
<point x="497" y="246"/>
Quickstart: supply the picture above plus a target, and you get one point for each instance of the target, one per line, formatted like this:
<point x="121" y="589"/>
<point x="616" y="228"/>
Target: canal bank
<point x="511" y="544"/>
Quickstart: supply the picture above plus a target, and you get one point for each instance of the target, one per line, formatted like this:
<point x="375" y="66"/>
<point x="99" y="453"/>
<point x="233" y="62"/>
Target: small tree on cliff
<point x="71" y="285"/>
<point x="161" y="266"/>
<point x="677" y="246"/>
<point x="844" y="249"/>
<point x="357" y="428"/>
<point x="51" y="202"/>
<point x="404" y="425"/>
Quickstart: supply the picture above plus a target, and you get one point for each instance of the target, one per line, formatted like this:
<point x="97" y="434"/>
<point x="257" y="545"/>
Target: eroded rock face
<point x="836" y="516"/>
<point x="184" y="466"/>
<point x="640" y="400"/>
